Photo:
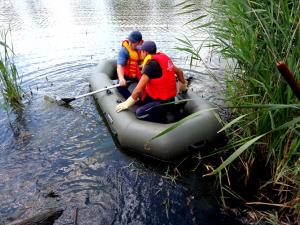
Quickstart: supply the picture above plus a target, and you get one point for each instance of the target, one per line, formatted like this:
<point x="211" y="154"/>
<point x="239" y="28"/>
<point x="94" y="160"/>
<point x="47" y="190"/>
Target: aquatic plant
<point x="9" y="87"/>
<point x="264" y="145"/>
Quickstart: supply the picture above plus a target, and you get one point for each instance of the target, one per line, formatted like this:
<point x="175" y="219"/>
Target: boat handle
<point x="109" y="118"/>
<point x="198" y="145"/>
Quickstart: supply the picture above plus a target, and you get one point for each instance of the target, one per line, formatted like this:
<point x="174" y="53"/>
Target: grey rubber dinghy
<point x="192" y="135"/>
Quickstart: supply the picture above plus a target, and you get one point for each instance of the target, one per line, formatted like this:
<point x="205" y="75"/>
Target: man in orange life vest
<point x="157" y="84"/>
<point x="128" y="61"/>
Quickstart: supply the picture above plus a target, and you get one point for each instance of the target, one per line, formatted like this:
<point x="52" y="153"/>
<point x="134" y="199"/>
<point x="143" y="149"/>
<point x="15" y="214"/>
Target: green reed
<point x="264" y="133"/>
<point x="9" y="87"/>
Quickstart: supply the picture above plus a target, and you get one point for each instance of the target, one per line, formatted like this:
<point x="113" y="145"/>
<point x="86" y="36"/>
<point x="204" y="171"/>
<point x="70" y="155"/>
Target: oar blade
<point x="67" y="100"/>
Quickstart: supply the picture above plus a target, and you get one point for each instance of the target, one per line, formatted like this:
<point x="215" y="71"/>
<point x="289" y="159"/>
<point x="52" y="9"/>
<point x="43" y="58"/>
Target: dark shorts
<point x="124" y="90"/>
<point x="156" y="110"/>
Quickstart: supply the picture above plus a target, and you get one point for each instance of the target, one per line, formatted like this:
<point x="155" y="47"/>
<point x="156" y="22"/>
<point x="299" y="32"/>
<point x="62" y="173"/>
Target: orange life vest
<point x="164" y="87"/>
<point x="131" y="68"/>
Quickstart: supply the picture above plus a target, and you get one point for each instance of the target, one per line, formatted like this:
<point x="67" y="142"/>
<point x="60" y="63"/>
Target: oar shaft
<point x="94" y="92"/>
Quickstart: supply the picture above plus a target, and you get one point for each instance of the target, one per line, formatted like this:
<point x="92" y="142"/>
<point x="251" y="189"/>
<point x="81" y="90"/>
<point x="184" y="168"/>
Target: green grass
<point x="9" y="87"/>
<point x="255" y="36"/>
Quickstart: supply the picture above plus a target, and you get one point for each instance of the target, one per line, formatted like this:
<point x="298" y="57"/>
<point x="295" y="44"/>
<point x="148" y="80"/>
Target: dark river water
<point x="64" y="157"/>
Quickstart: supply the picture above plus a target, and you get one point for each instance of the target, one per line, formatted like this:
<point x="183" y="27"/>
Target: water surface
<point x="65" y="157"/>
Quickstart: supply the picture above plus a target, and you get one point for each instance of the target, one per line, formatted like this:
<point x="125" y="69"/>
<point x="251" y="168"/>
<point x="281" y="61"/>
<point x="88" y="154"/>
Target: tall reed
<point x="9" y="87"/>
<point x="264" y="141"/>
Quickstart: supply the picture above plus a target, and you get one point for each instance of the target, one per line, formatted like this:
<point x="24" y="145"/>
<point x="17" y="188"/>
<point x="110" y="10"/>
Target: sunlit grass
<point x="9" y="87"/>
<point x="255" y="36"/>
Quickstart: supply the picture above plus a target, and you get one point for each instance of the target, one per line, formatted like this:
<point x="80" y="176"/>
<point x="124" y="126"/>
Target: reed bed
<point x="9" y="86"/>
<point x="264" y="145"/>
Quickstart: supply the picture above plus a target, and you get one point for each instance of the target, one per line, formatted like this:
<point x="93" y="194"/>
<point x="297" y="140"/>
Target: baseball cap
<point x="135" y="36"/>
<point x="148" y="46"/>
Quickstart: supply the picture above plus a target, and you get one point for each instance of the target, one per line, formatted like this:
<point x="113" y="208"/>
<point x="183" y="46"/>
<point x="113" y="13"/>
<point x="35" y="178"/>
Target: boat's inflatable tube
<point x="134" y="134"/>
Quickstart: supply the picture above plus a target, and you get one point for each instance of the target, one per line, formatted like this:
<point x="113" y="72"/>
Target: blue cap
<point x="135" y="36"/>
<point x="148" y="46"/>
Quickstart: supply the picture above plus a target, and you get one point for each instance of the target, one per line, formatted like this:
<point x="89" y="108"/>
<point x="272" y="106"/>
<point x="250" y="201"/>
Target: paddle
<point x="62" y="101"/>
<point x="68" y="100"/>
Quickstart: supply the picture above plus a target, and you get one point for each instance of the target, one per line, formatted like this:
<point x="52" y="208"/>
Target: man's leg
<point x="150" y="112"/>
<point x="124" y="90"/>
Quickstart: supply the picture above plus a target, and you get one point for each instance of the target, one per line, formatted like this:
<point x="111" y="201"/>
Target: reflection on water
<point x="54" y="156"/>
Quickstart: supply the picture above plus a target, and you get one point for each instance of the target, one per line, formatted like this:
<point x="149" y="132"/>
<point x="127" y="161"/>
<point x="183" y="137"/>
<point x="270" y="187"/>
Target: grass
<point x="9" y="87"/>
<point x="264" y="146"/>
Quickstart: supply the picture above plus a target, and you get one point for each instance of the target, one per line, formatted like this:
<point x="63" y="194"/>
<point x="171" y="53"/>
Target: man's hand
<point x="125" y="105"/>
<point x="182" y="87"/>
<point x="122" y="82"/>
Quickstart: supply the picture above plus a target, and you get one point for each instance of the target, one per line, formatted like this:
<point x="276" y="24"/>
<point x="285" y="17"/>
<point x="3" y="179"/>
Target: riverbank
<point x="260" y="166"/>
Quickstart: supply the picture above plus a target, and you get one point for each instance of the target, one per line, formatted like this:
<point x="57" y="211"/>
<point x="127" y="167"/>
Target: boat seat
<point x="175" y="112"/>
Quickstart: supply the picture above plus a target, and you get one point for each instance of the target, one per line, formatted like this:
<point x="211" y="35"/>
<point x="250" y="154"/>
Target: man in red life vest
<point x="158" y="82"/>
<point x="128" y="61"/>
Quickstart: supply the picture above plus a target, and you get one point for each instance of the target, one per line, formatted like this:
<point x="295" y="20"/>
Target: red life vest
<point x="164" y="87"/>
<point x="131" y="69"/>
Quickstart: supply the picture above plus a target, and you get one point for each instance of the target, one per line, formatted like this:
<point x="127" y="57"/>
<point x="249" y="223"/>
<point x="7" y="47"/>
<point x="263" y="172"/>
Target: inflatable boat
<point x="187" y="135"/>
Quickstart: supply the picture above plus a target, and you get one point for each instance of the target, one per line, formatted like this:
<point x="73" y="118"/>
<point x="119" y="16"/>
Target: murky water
<point x="68" y="151"/>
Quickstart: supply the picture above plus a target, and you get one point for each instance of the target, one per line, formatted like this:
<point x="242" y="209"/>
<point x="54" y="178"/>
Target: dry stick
<point x="269" y="204"/>
<point x="75" y="215"/>
<point x="289" y="78"/>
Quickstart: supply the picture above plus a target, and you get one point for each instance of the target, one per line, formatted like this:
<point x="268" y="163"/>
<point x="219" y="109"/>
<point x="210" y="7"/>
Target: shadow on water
<point x="177" y="192"/>
<point x="64" y="157"/>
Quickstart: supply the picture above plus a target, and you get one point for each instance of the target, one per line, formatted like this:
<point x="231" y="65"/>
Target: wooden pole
<point x="289" y="78"/>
